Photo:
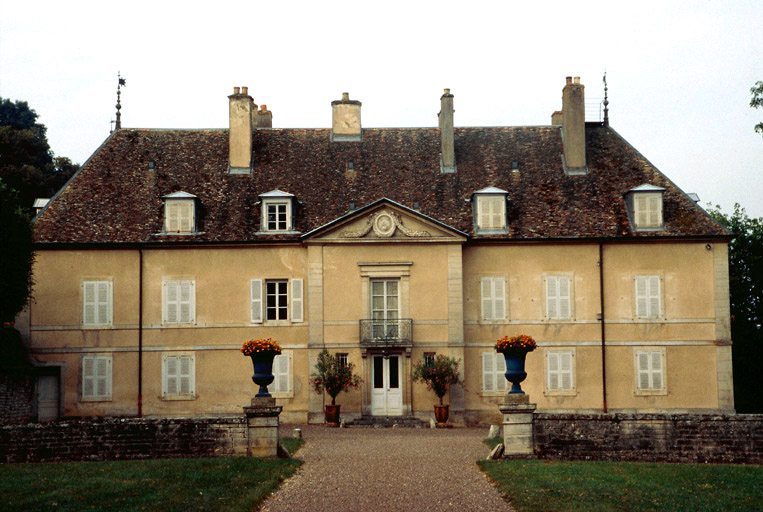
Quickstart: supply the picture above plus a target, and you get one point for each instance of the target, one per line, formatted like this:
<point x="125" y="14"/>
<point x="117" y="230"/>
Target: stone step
<point x="387" y="422"/>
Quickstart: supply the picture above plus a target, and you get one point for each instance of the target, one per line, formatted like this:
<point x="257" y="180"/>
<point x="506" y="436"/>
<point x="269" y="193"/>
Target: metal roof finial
<point x="121" y="82"/>
<point x="606" y="101"/>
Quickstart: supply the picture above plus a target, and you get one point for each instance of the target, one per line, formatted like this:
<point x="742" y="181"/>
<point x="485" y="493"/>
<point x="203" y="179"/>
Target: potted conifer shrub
<point x="333" y="376"/>
<point x="438" y="373"/>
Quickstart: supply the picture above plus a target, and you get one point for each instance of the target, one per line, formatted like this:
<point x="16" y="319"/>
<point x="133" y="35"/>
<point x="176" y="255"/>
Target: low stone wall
<point x="650" y="437"/>
<point x="16" y="398"/>
<point x="122" y="439"/>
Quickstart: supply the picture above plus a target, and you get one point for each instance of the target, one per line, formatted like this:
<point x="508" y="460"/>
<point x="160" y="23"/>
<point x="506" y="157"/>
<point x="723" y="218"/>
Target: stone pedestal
<point x="517" y="424"/>
<point x="262" y="427"/>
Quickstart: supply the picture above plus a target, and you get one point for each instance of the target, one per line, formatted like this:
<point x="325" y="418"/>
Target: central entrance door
<point x="387" y="390"/>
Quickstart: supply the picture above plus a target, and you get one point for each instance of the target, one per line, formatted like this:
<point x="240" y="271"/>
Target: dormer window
<point x="180" y="213"/>
<point x="645" y="208"/>
<point x="489" y="208"/>
<point x="277" y="211"/>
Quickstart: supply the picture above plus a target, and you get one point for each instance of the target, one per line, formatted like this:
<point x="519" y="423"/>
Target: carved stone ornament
<point x="384" y="223"/>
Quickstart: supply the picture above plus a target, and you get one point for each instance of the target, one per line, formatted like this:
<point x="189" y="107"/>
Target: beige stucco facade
<point x="436" y="277"/>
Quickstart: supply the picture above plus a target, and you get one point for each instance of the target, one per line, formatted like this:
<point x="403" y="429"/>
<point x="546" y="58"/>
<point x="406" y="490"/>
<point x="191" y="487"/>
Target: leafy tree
<point x="746" y="298"/>
<point x="757" y="101"/>
<point x="439" y="374"/>
<point x="15" y="254"/>
<point x="26" y="161"/>
<point x="333" y="376"/>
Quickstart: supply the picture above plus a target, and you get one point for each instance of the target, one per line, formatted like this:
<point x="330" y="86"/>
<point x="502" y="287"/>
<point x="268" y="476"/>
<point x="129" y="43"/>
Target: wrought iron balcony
<point x="386" y="333"/>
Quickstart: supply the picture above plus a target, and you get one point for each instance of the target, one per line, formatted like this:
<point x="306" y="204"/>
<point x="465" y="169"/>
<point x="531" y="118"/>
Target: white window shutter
<point x="256" y="287"/>
<point x="552" y="299"/>
<point x="184" y="376"/>
<point x="102" y="371"/>
<point x="186" y="217"/>
<point x="281" y="365"/>
<point x="643" y="370"/>
<point x="171" y="211"/>
<point x="487" y="307"/>
<point x="656" y="370"/>
<point x="564" y="297"/>
<point x="488" y="371"/>
<point x="654" y="297"/>
<point x="642" y="305"/>
<point x="641" y="211"/>
<point x="654" y="210"/>
<point x="482" y="212"/>
<point x="88" y="376"/>
<point x="297" y="301"/>
<point x="499" y="294"/>
<point x="171" y="375"/>
<point x="500" y="370"/>
<point x="171" y="302"/>
<point x="89" y="308"/>
<point x="186" y="310"/>
<point x="565" y="367"/>
<point x="553" y="371"/>
<point x="496" y="221"/>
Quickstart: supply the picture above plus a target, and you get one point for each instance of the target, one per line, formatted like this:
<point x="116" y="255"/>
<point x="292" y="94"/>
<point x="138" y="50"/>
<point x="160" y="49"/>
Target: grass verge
<point x="633" y="486"/>
<point x="226" y="483"/>
<point x="292" y="444"/>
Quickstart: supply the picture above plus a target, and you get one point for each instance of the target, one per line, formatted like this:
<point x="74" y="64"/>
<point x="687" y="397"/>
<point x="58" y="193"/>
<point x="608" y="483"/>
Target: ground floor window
<point x="493" y="370"/>
<point x="649" y="371"/>
<point x="178" y="376"/>
<point x="96" y="377"/>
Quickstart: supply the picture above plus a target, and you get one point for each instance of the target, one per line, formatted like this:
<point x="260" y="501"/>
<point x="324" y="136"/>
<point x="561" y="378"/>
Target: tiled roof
<point x="116" y="198"/>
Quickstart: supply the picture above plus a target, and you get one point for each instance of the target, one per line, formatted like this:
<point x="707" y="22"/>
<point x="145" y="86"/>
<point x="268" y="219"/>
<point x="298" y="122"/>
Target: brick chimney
<point x="240" y="133"/>
<point x="263" y="118"/>
<point x="448" y="152"/>
<point x="345" y="122"/>
<point x="573" y="126"/>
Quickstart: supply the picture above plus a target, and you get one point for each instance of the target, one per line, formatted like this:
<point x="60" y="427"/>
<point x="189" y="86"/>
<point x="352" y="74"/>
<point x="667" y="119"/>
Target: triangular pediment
<point x="385" y="221"/>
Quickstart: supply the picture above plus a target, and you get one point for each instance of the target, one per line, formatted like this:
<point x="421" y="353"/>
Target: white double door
<point x="386" y="386"/>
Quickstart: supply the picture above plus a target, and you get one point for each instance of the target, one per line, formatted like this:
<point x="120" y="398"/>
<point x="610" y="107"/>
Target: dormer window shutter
<point x="645" y="207"/>
<point x="180" y="213"/>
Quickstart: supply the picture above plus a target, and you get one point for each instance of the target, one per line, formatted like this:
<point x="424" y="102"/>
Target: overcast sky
<point x="679" y="73"/>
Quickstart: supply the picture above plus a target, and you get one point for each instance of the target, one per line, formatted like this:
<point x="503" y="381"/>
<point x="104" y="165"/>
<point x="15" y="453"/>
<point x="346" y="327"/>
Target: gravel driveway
<point x="368" y="469"/>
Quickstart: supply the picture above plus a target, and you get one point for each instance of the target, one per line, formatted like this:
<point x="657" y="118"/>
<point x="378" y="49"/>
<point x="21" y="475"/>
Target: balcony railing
<point x="386" y="332"/>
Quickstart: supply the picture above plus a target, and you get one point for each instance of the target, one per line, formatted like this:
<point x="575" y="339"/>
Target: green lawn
<point x="225" y="483"/>
<point x="603" y="486"/>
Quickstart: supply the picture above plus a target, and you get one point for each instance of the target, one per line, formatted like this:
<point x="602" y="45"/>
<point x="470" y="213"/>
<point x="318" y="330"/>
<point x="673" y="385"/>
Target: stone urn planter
<point x="441" y="413"/>
<point x="514" y="350"/>
<point x="262" y="352"/>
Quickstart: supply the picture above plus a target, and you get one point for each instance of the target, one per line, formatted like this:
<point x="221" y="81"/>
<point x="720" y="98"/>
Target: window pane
<point x="393" y="373"/>
<point x="378" y="372"/>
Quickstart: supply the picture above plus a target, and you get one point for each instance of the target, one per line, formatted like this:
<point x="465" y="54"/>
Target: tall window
<point x="385" y="307"/>
<point x="96" y="302"/>
<point x="650" y="370"/>
<point x="96" y="378"/>
<point x="271" y="300"/>
<point x="493" y="370"/>
<point x="179" y="297"/>
<point x="560" y="371"/>
<point x="648" y="297"/>
<point x="558" y="297"/>
<point x="178" y="376"/>
<point x="493" y="298"/>
<point x="491" y="212"/>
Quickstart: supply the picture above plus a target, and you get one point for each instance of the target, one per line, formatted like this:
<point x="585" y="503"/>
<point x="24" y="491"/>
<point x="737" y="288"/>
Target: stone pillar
<point x="517" y="424"/>
<point x="262" y="427"/>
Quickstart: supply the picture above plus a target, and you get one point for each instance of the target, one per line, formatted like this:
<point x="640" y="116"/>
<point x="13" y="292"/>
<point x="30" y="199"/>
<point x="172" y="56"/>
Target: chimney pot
<point x="236" y="90"/>
<point x="569" y="80"/>
<point x="577" y="80"/>
<point x="345" y="96"/>
<point x="245" y="90"/>
<point x="263" y="107"/>
<point x="447" y="91"/>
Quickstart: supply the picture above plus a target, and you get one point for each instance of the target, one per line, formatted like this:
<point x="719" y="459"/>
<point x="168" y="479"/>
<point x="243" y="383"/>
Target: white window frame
<point x="494" y="381"/>
<point x="96" y="378"/>
<point x="173" y="390"/>
<point x="172" y="310"/>
<point x="491" y="208"/>
<point x="101" y="295"/>
<point x="493" y="298"/>
<point x="295" y="300"/>
<point x="180" y="216"/>
<point x="647" y="210"/>
<point x="560" y="364"/>
<point x="647" y="292"/>
<point x="650" y="377"/>
<point x="555" y="301"/>
<point x="283" y="371"/>
<point x="276" y="203"/>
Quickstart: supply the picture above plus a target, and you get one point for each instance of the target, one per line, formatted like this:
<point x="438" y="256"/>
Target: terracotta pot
<point x="332" y="415"/>
<point x="441" y="413"/>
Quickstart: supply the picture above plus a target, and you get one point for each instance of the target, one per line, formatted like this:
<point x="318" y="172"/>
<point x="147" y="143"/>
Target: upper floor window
<point x="277" y="211"/>
<point x="277" y="300"/>
<point x="558" y="297"/>
<point x="179" y="301"/>
<point x="648" y="297"/>
<point x="489" y="205"/>
<point x="97" y="302"/>
<point x="493" y="298"/>
<point x="180" y="213"/>
<point x="645" y="207"/>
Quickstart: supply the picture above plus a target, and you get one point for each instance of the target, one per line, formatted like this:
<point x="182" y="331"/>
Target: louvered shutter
<point x="565" y="370"/>
<point x="642" y="216"/>
<point x="171" y="375"/>
<point x="281" y="371"/>
<point x="488" y="371"/>
<point x="173" y="215"/>
<point x="102" y="299"/>
<point x="500" y="370"/>
<point x="499" y="300"/>
<point x="185" y="217"/>
<point x="496" y="222"/>
<point x="297" y="302"/>
<point x="88" y="377"/>
<point x="564" y="297"/>
<point x="89" y="306"/>
<point x="654" y="210"/>
<point x="642" y="303"/>
<point x="553" y="371"/>
<point x="643" y="370"/>
<point x="171" y="302"/>
<point x="656" y="370"/>
<point x="654" y="296"/>
<point x="102" y="373"/>
<point x="487" y="306"/>
<point x="483" y="213"/>
<point x="552" y="298"/>
<point x="186" y="302"/>
<point x="256" y="287"/>
<point x="185" y="377"/>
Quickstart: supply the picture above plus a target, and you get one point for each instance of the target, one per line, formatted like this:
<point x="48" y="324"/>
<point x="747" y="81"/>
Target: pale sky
<point x="679" y="73"/>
